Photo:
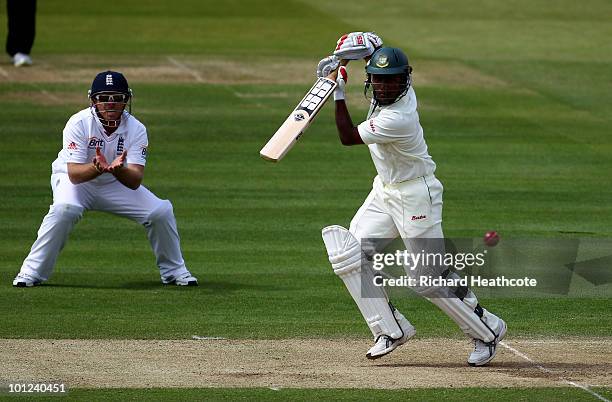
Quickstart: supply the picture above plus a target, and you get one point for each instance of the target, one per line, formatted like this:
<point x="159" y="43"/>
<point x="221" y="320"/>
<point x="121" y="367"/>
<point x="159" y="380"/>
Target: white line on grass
<point x="38" y="88"/>
<point x="549" y="371"/>
<point x="49" y="94"/>
<point x="196" y="75"/>
<point x="207" y="338"/>
<point x="35" y="86"/>
<point x="185" y="68"/>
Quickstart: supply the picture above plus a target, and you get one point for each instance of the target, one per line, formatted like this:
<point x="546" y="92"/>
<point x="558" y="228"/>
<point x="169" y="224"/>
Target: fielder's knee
<point x="67" y="212"/>
<point x="161" y="213"/>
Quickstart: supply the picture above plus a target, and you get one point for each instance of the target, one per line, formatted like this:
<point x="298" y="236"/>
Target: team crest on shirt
<point x="72" y="146"/>
<point x="372" y="126"/>
<point x="95" y="142"/>
<point x="120" y="143"/>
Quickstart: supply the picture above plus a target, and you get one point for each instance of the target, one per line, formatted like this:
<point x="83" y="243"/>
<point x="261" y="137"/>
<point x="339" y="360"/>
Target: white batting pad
<point x="474" y="321"/>
<point x="345" y="256"/>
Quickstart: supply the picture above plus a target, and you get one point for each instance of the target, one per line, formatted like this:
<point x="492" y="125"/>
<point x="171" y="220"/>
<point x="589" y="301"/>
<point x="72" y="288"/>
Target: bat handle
<point x="334" y="74"/>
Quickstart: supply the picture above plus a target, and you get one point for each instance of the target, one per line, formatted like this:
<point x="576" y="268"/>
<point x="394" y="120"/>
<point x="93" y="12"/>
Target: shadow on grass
<point x="204" y="286"/>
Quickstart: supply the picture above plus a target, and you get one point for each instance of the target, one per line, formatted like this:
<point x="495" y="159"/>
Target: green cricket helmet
<point x="388" y="61"/>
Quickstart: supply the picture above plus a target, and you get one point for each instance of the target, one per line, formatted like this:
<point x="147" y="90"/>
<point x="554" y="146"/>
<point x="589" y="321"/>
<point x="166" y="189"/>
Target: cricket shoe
<point x="185" y="279"/>
<point x="25" y="281"/>
<point x="385" y="344"/>
<point x="484" y="352"/>
<point x="21" y="60"/>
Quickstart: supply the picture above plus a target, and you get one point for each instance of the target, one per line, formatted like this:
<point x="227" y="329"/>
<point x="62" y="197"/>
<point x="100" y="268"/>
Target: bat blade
<point x="298" y="121"/>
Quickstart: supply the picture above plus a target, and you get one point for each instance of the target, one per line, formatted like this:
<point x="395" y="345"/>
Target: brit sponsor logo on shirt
<point x="144" y="152"/>
<point x="120" y="145"/>
<point x="95" y="142"/>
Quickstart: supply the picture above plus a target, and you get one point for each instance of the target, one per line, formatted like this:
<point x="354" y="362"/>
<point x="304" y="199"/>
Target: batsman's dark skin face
<point x="387" y="87"/>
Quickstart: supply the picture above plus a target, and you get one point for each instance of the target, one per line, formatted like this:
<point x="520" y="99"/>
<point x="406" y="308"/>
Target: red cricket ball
<point x="491" y="238"/>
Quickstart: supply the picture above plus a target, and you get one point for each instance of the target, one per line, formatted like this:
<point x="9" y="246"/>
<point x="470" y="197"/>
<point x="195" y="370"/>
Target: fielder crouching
<point x="406" y="201"/>
<point x="83" y="179"/>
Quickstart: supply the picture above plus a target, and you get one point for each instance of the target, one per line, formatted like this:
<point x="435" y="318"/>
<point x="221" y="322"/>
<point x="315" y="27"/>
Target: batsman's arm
<point x="348" y="133"/>
<point x="82" y="172"/>
<point x="130" y="176"/>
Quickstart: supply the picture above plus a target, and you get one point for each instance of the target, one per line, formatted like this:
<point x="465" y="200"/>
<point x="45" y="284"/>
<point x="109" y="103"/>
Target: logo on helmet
<point x="109" y="79"/>
<point x="382" y="61"/>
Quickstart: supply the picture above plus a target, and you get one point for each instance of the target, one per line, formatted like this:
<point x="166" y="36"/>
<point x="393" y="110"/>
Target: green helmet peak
<point x="388" y="60"/>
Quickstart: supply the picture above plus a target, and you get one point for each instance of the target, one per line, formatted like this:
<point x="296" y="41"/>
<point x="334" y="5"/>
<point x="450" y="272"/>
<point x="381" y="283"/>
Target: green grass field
<point x="497" y="394"/>
<point x="514" y="100"/>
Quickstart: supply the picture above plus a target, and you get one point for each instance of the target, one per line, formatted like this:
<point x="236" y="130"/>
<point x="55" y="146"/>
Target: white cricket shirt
<point x="395" y="139"/>
<point x="84" y="132"/>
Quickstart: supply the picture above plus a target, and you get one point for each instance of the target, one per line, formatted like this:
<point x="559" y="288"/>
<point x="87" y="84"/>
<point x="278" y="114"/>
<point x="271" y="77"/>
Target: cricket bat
<point x="300" y="119"/>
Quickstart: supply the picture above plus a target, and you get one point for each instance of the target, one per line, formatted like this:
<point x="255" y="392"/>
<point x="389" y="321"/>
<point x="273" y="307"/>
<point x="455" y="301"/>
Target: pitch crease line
<point x="548" y="371"/>
<point x="185" y="68"/>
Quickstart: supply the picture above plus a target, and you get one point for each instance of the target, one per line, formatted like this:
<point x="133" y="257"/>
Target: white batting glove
<point x="357" y="45"/>
<point x="327" y="65"/>
<point x="341" y="81"/>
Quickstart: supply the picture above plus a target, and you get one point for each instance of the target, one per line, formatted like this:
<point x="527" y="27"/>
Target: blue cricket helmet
<point x="110" y="81"/>
<point x="110" y="94"/>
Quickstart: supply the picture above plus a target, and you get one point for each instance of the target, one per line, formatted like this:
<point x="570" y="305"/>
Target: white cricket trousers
<point x="71" y="200"/>
<point x="411" y="209"/>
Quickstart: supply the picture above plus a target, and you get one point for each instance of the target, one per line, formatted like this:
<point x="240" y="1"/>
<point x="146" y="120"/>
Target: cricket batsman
<point x="101" y="167"/>
<point x="406" y="201"/>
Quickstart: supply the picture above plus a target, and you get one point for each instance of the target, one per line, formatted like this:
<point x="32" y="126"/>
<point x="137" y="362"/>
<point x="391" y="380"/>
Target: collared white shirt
<point x="396" y="142"/>
<point x="84" y="132"/>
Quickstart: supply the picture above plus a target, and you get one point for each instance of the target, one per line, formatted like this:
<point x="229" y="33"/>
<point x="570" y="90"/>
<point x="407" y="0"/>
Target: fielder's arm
<point x="82" y="172"/>
<point x="130" y="176"/>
